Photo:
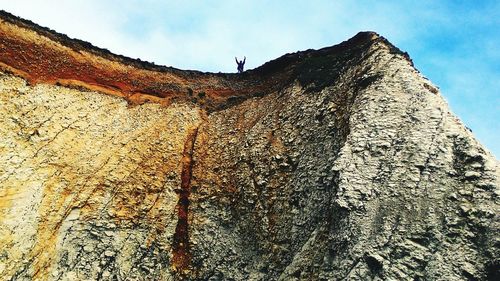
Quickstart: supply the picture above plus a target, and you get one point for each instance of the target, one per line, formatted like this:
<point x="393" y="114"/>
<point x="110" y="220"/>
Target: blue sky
<point x="456" y="44"/>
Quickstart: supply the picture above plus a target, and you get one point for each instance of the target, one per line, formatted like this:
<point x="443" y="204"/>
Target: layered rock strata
<point x="343" y="163"/>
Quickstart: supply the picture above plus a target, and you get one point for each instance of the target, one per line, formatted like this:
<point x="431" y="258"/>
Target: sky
<point x="456" y="44"/>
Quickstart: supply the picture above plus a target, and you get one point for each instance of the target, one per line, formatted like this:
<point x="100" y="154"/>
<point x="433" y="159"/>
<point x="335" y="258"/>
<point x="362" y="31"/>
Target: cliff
<point x="342" y="163"/>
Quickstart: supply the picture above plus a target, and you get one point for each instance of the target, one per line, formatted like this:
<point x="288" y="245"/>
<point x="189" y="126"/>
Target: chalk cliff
<point x="343" y="163"/>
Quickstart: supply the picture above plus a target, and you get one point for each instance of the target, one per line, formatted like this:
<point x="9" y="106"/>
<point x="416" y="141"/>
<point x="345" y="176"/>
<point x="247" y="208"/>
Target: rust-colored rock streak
<point x="43" y="56"/>
<point x="181" y="249"/>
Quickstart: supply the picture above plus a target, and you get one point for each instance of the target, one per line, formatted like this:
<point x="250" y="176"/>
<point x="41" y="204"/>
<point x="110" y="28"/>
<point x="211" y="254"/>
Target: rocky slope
<point x="337" y="164"/>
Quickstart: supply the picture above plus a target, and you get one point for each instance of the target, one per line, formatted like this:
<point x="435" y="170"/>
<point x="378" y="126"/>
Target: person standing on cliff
<point x="240" y="63"/>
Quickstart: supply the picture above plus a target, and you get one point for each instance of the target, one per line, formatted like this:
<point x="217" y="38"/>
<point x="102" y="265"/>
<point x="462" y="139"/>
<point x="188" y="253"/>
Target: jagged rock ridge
<point x="337" y="164"/>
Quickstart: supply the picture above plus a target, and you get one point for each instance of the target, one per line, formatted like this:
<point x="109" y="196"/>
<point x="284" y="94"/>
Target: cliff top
<point x="41" y="55"/>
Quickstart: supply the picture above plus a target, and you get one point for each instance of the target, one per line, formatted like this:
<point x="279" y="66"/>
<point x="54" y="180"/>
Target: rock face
<point x="337" y="164"/>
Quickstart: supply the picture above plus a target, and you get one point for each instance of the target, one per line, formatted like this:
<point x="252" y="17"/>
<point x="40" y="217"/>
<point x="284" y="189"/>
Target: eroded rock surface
<point x="353" y="182"/>
<point x="337" y="164"/>
<point x="86" y="181"/>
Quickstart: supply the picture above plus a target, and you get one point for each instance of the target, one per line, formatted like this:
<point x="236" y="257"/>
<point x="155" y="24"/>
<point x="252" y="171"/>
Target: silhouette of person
<point x="240" y="63"/>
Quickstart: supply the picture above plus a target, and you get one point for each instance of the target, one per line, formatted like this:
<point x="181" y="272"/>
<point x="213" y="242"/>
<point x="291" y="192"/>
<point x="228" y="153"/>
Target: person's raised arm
<point x="244" y="59"/>
<point x="236" y="59"/>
